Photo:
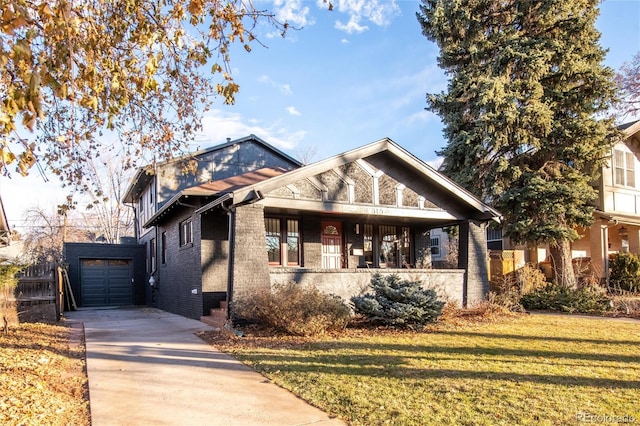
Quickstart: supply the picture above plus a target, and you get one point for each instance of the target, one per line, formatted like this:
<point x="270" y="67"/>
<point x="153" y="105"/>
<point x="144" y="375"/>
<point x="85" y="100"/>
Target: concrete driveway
<point x="147" y="367"/>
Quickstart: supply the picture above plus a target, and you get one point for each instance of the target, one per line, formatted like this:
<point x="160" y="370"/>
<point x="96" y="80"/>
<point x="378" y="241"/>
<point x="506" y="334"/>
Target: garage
<point x="106" y="282"/>
<point x="107" y="274"/>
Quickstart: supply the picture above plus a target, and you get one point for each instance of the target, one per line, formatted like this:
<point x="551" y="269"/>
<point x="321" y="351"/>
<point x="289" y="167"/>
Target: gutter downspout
<point x="231" y="214"/>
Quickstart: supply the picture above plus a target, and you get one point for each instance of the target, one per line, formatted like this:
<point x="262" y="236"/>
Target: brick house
<point x="247" y="215"/>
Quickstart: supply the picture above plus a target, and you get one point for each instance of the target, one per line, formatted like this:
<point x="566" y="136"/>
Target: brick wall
<point x="214" y="259"/>
<point x="311" y="242"/>
<point x="180" y="279"/>
<point x="448" y="283"/>
<point x="473" y="257"/>
<point x="250" y="265"/>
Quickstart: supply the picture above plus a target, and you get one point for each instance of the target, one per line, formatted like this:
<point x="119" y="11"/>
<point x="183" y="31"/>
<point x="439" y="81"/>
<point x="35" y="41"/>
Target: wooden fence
<point x="39" y="285"/>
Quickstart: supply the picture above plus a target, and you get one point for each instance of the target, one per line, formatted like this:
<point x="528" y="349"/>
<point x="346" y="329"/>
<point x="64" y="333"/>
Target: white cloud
<point x="436" y="163"/>
<point x="353" y="26"/>
<point x="345" y="41"/>
<point x="293" y="12"/>
<point x="219" y="125"/>
<point x="293" y="111"/>
<point x="378" y="12"/>
<point x="284" y="88"/>
<point x="422" y="116"/>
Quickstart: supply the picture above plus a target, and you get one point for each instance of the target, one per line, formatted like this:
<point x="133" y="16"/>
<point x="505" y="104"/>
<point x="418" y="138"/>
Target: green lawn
<point x="536" y="369"/>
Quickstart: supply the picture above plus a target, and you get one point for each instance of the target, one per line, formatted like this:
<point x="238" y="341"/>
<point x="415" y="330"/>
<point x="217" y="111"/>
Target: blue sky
<point x="349" y="77"/>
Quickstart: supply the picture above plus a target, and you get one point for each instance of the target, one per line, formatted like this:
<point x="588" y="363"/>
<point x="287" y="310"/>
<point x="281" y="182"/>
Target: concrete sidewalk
<point x="147" y="367"/>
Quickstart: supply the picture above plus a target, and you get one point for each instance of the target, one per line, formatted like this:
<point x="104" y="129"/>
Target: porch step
<point x="212" y="321"/>
<point x="217" y="316"/>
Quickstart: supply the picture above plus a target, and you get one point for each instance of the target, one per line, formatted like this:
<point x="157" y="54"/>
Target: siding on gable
<point x="216" y="165"/>
<point x="338" y="190"/>
<point x="307" y="190"/>
<point x="387" y="190"/>
<point x="363" y="182"/>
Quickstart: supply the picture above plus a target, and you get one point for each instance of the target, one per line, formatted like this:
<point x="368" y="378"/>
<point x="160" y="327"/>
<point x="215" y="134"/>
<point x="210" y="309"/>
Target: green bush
<point x="555" y="297"/>
<point x="625" y="273"/>
<point x="294" y="309"/>
<point x="398" y="302"/>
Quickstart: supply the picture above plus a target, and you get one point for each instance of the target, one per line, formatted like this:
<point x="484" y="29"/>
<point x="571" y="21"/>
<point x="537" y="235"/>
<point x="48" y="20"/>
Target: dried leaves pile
<point x="42" y="377"/>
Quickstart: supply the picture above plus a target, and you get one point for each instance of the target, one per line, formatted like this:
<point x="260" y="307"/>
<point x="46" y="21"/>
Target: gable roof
<point x="385" y="155"/>
<point x="218" y="187"/>
<point x="630" y="128"/>
<point x="143" y="176"/>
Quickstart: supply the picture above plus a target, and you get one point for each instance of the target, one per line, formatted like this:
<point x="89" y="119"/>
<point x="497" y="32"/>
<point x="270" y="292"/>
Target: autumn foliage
<point x="143" y="70"/>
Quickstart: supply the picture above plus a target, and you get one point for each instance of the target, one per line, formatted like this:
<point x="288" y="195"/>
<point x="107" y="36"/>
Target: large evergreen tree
<point x="523" y="111"/>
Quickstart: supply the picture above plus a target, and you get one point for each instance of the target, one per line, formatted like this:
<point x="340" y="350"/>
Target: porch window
<point x="392" y="248"/>
<point x="624" y="168"/>
<point x="388" y="249"/>
<point x="405" y="247"/>
<point x="272" y="227"/>
<point x="293" y="242"/>
<point x="368" y="244"/>
<point x="283" y="238"/>
<point x="186" y="233"/>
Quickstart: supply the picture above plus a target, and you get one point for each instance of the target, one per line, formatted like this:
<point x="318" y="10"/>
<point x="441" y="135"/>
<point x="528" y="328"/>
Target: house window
<point x="392" y="248"/>
<point x="368" y="244"/>
<point x="293" y="242"/>
<point x="435" y="246"/>
<point x="388" y="248"/>
<point x="624" y="168"/>
<point x="283" y="238"/>
<point x="272" y="227"/>
<point x="405" y="247"/>
<point x="186" y="232"/>
<point x="163" y="249"/>
<point x="494" y="238"/>
<point x="152" y="255"/>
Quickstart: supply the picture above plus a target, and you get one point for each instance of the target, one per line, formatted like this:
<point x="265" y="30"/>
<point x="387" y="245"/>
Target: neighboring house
<point x="616" y="226"/>
<point x="250" y="216"/>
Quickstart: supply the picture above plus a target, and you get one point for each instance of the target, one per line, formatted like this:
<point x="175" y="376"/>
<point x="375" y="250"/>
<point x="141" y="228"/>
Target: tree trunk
<point x="561" y="262"/>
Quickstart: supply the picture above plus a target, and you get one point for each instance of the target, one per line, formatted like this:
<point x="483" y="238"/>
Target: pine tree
<point x="397" y="302"/>
<point x="523" y="111"/>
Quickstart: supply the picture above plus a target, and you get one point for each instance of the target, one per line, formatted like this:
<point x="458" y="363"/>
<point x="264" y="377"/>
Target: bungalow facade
<point x="243" y="215"/>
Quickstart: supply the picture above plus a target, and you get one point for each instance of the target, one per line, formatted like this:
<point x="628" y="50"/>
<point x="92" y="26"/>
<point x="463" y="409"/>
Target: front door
<point x="331" y="245"/>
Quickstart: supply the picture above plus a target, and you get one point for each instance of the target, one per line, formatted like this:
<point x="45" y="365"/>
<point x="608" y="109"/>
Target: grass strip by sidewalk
<point x="530" y="370"/>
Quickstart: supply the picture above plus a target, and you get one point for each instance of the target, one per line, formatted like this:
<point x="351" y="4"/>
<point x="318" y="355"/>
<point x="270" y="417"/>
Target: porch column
<point x="423" y="248"/>
<point x="598" y="248"/>
<point x="472" y="257"/>
<point x="248" y="262"/>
